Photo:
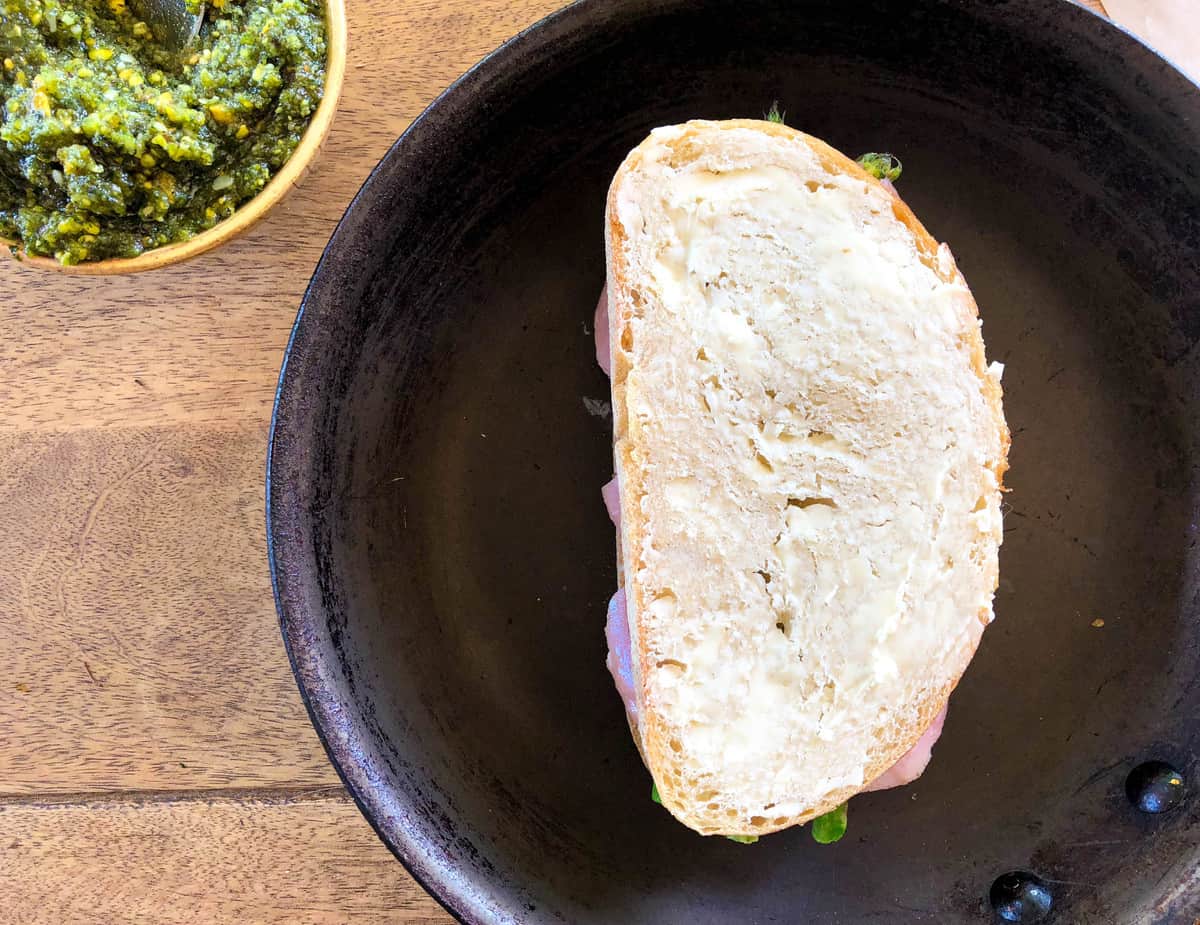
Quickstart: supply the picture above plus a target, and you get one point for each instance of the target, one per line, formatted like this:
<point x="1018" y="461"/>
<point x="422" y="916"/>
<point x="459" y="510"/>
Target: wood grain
<point x="228" y="859"/>
<point x="141" y="645"/>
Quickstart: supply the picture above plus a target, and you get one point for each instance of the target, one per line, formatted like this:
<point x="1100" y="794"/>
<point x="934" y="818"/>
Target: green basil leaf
<point x="882" y="166"/>
<point x="831" y="827"/>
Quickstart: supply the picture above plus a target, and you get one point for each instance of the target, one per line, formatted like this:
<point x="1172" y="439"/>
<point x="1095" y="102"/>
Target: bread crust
<point x="652" y="736"/>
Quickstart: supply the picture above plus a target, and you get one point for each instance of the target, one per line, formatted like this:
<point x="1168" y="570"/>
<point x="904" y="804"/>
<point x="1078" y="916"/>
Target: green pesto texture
<point x="110" y="145"/>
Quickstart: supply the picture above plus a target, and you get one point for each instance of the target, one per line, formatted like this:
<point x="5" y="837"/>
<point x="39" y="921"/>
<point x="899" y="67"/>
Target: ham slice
<point x="603" y="348"/>
<point x="620" y="654"/>
<point x="915" y="760"/>
<point x="616" y="630"/>
<point x="612" y="502"/>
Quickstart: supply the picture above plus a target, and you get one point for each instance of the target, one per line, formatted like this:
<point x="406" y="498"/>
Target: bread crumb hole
<point x="671" y="663"/>
<point x="764" y="575"/>
<point x="980" y="505"/>
<point x="705" y="404"/>
<point x="627" y="339"/>
<point x="804" y="503"/>
<point x="702" y="354"/>
<point x="820" y="438"/>
<point x="770" y="393"/>
<point x="676" y="745"/>
<point x="779" y="820"/>
<point x="812" y="185"/>
<point x="763" y="462"/>
<point x="731" y="813"/>
<point x="758" y="820"/>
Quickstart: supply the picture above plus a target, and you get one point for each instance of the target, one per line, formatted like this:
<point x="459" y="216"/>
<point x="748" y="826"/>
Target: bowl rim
<point x="259" y="205"/>
<point x="345" y="748"/>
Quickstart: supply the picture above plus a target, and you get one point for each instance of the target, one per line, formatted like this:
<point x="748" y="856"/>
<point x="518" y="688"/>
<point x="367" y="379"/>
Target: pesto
<point x="110" y="145"/>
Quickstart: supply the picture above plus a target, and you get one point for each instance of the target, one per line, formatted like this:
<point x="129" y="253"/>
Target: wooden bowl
<point x="250" y="212"/>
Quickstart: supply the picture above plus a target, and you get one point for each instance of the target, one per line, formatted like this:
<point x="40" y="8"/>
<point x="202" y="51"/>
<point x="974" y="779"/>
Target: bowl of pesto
<point x="121" y="153"/>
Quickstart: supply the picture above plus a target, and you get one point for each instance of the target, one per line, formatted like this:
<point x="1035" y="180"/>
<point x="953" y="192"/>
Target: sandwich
<point x="809" y="449"/>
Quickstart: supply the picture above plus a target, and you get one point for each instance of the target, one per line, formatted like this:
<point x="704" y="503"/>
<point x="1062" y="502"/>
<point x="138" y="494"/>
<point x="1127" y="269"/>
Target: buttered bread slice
<point x="809" y="448"/>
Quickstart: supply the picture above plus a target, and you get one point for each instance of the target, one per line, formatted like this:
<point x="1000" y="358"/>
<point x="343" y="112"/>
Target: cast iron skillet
<point x="442" y="558"/>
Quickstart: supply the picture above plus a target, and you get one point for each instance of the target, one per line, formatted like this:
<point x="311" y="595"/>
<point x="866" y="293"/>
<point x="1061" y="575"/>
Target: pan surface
<point x="442" y="559"/>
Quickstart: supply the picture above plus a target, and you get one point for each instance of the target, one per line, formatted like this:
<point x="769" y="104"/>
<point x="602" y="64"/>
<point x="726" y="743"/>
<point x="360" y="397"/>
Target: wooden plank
<point x="141" y="648"/>
<point x="232" y="860"/>
<point x="202" y="342"/>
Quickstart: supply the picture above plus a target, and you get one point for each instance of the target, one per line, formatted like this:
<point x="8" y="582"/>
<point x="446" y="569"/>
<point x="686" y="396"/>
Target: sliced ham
<point x="612" y="502"/>
<point x="914" y="762"/>
<point x="603" y="348"/>
<point x="620" y="654"/>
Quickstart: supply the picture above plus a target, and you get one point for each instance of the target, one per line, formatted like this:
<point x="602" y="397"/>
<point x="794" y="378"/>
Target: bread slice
<point x="809" y="448"/>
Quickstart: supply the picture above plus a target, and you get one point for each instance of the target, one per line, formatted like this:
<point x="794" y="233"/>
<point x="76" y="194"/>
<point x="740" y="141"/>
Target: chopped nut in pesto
<point x="111" y="145"/>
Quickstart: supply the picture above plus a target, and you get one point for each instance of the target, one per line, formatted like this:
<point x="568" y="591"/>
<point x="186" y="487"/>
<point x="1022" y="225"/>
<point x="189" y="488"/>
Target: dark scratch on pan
<point x="1106" y="681"/>
<point x="1099" y="774"/>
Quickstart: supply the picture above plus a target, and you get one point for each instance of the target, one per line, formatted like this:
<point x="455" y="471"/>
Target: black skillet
<point x="442" y="558"/>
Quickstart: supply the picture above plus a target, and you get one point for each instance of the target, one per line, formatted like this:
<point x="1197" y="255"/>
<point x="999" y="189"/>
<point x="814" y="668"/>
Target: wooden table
<point x="156" y="763"/>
